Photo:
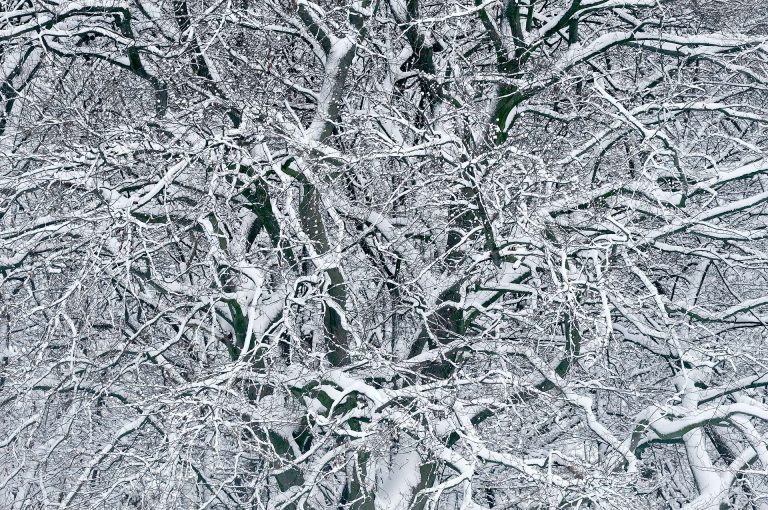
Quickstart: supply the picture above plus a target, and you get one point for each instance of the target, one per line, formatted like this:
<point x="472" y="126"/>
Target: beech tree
<point x="384" y="254"/>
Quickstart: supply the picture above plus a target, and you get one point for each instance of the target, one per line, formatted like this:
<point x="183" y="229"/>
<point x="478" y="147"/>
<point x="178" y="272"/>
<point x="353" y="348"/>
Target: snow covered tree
<point x="384" y="254"/>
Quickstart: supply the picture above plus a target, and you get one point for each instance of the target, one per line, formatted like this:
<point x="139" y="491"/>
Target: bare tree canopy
<point x="384" y="254"/>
